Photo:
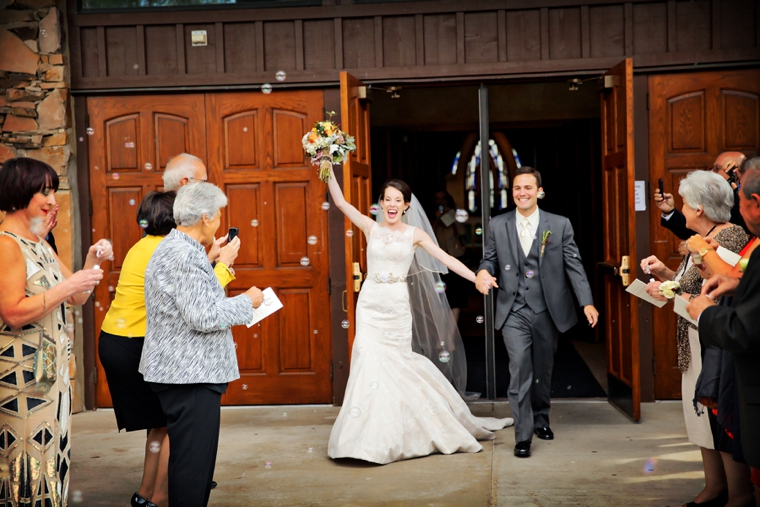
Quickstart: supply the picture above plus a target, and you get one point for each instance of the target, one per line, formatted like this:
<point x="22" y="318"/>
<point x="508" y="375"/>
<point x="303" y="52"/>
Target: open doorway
<point x="421" y="135"/>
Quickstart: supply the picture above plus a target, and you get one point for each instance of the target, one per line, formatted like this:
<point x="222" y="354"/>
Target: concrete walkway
<point x="598" y="458"/>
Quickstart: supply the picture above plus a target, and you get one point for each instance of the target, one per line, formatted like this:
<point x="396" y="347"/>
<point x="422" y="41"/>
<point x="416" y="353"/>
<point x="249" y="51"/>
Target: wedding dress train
<point x="398" y="405"/>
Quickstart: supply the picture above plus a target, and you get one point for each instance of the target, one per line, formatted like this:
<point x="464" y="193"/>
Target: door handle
<point x="357" y="277"/>
<point x="624" y="271"/>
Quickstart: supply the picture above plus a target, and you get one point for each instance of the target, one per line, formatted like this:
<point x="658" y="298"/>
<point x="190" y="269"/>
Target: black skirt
<point x="135" y="404"/>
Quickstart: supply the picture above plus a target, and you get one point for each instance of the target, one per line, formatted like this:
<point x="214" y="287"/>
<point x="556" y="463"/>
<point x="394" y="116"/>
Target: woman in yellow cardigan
<point x="120" y="345"/>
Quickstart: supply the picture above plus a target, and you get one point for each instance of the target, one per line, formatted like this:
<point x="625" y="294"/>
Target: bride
<point x="398" y="405"/>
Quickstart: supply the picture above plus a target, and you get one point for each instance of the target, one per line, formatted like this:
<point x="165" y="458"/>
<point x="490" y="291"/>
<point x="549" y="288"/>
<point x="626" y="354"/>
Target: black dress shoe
<point x="213" y="484"/>
<point x="522" y="449"/>
<point x="718" y="501"/>
<point x="545" y="433"/>
<point x="138" y="501"/>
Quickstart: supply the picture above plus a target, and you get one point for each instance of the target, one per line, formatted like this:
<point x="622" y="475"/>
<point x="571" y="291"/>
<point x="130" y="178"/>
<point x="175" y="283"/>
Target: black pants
<point x="192" y="415"/>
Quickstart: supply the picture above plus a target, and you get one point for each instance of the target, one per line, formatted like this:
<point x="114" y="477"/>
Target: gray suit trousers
<point x="531" y="341"/>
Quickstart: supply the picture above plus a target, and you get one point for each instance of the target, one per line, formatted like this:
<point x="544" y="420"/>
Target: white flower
<point x="670" y="288"/>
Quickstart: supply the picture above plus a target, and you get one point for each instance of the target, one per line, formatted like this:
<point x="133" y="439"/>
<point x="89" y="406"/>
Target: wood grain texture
<point x="480" y="37"/>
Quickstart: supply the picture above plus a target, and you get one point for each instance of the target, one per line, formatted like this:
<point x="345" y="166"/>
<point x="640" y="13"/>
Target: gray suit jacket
<point x="559" y="268"/>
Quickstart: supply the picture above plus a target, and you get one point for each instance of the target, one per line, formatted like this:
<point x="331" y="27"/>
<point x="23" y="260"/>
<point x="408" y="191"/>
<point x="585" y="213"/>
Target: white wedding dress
<point x="398" y="405"/>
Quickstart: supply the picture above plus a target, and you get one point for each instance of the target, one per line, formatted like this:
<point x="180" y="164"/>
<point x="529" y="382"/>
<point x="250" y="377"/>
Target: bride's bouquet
<point x="326" y="144"/>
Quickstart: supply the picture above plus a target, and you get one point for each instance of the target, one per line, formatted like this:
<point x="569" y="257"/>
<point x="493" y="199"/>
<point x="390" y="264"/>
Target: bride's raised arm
<point x="363" y="222"/>
<point x="421" y="239"/>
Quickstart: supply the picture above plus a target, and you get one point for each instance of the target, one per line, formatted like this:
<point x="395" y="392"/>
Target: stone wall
<point x="35" y="106"/>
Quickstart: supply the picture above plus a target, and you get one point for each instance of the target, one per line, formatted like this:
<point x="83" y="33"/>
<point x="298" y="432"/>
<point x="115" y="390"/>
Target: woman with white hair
<point x="707" y="203"/>
<point x="189" y="356"/>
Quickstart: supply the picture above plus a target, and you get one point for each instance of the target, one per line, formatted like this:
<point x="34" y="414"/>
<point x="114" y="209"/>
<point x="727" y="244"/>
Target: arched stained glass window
<point x="499" y="195"/>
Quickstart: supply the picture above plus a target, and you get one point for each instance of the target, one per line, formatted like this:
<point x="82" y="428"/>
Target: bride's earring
<point x="404" y="212"/>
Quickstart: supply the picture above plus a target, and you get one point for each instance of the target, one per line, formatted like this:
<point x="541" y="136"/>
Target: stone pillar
<point x="35" y="111"/>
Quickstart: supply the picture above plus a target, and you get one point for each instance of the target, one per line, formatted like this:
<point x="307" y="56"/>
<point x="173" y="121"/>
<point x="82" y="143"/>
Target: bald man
<point x="181" y="170"/>
<point x="728" y="165"/>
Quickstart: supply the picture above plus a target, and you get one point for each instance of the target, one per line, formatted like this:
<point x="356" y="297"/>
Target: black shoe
<point x="545" y="433"/>
<point x="138" y="501"/>
<point x="213" y="484"/>
<point x="522" y="449"/>
<point x="718" y="501"/>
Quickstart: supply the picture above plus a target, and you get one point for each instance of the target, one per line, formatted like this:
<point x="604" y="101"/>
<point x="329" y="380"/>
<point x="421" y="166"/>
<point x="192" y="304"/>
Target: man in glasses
<point x="727" y="165"/>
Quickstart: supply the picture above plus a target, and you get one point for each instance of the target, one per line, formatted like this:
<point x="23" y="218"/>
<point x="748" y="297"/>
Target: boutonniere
<point x="544" y="241"/>
<point x="743" y="265"/>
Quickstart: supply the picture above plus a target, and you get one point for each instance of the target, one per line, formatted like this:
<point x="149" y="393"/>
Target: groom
<point x="531" y="257"/>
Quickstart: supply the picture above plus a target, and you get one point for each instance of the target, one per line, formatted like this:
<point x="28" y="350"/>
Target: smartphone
<point x="232" y="234"/>
<point x="660" y="186"/>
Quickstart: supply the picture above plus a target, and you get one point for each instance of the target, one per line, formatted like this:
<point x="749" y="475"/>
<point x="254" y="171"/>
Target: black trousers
<point x="192" y="415"/>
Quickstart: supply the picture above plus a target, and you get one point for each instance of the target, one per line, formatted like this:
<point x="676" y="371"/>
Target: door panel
<point x="621" y="317"/>
<point x="693" y="118"/>
<point x="274" y="198"/>
<point x="357" y="186"/>
<point x="130" y="137"/>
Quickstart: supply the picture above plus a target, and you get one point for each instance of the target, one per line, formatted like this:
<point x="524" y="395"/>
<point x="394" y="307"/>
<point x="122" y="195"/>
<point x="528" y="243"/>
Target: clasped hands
<point x="484" y="282"/>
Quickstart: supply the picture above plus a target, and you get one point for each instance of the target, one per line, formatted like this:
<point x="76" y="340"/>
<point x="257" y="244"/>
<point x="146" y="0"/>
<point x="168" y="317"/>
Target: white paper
<point x="639" y="289"/>
<point x="640" y="195"/>
<point x="728" y="256"/>
<point x="270" y="305"/>
<point x="680" y="308"/>
<point x="448" y="218"/>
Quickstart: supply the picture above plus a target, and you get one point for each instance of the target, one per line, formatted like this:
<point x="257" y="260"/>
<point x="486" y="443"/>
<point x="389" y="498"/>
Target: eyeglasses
<point x="199" y="179"/>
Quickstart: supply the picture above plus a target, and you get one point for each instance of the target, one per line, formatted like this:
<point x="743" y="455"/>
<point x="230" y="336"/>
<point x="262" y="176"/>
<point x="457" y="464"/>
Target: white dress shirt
<point x="532" y="224"/>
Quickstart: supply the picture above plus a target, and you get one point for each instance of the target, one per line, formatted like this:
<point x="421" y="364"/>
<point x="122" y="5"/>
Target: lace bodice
<point x="390" y="251"/>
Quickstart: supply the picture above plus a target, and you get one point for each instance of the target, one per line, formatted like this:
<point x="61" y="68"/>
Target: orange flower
<point x="329" y="129"/>
<point x="313" y="137"/>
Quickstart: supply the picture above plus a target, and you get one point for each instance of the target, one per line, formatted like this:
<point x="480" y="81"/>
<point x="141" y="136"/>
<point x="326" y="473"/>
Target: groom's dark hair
<point x="530" y="170"/>
<point x="399" y="185"/>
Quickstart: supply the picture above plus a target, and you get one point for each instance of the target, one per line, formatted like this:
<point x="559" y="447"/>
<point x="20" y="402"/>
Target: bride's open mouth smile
<point x="392" y="212"/>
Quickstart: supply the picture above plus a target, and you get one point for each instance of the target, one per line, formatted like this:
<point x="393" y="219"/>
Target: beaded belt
<point x="386" y="277"/>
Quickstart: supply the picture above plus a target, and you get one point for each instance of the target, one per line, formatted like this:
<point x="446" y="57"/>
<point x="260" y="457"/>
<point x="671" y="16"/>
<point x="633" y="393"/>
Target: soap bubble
<point x="444" y="357"/>
<point x="284" y="414"/>
<point x="148" y="166"/>
<point x="440" y="287"/>
<point x="650" y="465"/>
<point x="121" y="323"/>
<point x="325" y="205"/>
<point x="310" y="450"/>
<point x="312" y="240"/>
<point x="344" y="324"/>
<point x="97" y="303"/>
<point x="478" y="231"/>
<point x="266" y="88"/>
<point x="131" y="202"/>
<point x="76" y="496"/>
<point x="350" y="233"/>
<point x="374" y="385"/>
<point x="143" y="223"/>
<point x="374" y="209"/>
<point x="281" y="76"/>
<point x="305" y="261"/>
<point x="90" y="131"/>
<point x="129" y="144"/>
<point x="268" y="465"/>
<point x="479" y="319"/>
<point x="155" y="446"/>
<point x="245" y="387"/>
<point x="111" y="288"/>
<point x="255" y="222"/>
<point x="116" y="176"/>
<point x="355" y="412"/>
<point x="135" y="66"/>
<point x="461" y="215"/>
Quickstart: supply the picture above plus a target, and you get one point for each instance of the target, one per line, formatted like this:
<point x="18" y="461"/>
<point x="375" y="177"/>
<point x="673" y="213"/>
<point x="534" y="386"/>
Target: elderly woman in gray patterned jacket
<point x="189" y="356"/>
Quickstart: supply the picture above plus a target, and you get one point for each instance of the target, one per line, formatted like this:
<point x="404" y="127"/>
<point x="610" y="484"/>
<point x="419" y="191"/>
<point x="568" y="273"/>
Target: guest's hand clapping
<point x="257" y="297"/>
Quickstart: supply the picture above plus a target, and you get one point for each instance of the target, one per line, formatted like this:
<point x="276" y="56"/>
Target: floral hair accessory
<point x="326" y="144"/>
<point x="670" y="289"/>
<point x="544" y="241"/>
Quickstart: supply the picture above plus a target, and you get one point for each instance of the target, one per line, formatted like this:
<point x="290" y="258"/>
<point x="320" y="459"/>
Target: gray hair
<point x="750" y="164"/>
<point x="194" y="201"/>
<point x="179" y="167"/>
<point x="709" y="191"/>
<point x="751" y="178"/>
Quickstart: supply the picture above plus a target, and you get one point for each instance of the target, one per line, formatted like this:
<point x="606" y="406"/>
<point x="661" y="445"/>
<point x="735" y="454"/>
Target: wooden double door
<point x="251" y="144"/>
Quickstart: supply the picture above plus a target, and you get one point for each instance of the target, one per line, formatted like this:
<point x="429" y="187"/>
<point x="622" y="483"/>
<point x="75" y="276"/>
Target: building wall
<point x="35" y="114"/>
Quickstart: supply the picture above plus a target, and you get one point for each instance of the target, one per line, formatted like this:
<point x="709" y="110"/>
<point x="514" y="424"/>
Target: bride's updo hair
<point x="399" y="185"/>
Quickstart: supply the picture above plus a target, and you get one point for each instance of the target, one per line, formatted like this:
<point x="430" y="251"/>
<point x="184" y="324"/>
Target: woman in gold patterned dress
<point x="35" y="396"/>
